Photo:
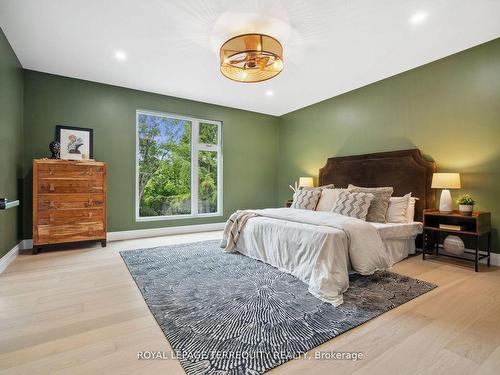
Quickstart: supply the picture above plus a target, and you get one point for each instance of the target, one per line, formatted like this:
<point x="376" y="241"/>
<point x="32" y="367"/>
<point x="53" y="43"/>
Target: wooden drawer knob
<point x="51" y="171"/>
<point x="51" y="187"/>
<point x="90" y="215"/>
<point x="52" y="204"/>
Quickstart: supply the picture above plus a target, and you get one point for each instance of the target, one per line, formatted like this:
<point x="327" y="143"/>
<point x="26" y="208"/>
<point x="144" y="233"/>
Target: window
<point x="179" y="162"/>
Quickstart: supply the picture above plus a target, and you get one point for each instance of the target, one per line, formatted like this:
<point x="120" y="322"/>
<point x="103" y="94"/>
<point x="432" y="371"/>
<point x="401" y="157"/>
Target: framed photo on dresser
<point x="76" y="143"/>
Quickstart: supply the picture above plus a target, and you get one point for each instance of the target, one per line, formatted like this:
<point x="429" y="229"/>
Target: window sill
<point x="176" y="217"/>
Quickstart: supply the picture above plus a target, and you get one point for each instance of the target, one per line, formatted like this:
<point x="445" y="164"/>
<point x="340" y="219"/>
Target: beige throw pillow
<point x="396" y="212"/>
<point x="380" y="203"/>
<point x="352" y="204"/>
<point x="329" y="186"/>
<point x="327" y="199"/>
<point x="410" y="211"/>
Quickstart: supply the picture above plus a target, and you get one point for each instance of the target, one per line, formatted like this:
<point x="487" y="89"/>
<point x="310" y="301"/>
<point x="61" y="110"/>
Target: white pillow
<point x="327" y="199"/>
<point x="410" y="211"/>
<point x="398" y="206"/>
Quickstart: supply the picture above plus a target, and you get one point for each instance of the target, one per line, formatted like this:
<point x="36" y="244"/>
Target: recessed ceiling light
<point x="119" y="55"/>
<point x="269" y="93"/>
<point x="418" y="18"/>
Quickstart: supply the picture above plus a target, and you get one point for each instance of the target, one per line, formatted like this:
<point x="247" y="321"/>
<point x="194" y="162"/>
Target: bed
<point x="321" y="248"/>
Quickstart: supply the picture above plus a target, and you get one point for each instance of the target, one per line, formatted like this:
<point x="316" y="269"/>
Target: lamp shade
<point x="446" y="181"/>
<point x="306" y="182"/>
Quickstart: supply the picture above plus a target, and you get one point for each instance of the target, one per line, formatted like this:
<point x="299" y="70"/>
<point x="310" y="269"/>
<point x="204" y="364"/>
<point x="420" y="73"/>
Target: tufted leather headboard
<point x="406" y="171"/>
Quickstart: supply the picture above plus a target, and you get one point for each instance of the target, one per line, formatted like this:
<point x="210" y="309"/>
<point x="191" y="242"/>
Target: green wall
<point x="11" y="132"/>
<point x="449" y="109"/>
<point x="250" y="142"/>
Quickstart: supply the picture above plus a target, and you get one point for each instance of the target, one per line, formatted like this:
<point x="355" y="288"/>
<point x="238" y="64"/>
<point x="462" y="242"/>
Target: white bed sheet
<point x="399" y="238"/>
<point x="398" y="230"/>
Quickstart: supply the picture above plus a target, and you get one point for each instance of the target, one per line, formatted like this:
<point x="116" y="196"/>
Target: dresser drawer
<point x="70" y="171"/>
<point x="50" y="234"/>
<point x="71" y="216"/>
<point x="62" y="185"/>
<point x="53" y="201"/>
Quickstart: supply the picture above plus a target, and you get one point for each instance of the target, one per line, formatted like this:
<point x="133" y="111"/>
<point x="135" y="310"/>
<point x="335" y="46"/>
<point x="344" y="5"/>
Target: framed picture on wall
<point x="76" y="143"/>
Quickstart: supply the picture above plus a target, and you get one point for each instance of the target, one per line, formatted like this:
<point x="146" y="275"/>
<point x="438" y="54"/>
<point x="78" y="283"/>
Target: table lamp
<point x="445" y="181"/>
<point x="306" y="182"/>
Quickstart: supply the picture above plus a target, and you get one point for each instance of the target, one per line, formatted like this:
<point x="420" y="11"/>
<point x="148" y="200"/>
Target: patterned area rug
<point x="229" y="314"/>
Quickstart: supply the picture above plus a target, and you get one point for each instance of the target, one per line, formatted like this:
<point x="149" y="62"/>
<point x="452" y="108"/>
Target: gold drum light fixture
<point x="251" y="58"/>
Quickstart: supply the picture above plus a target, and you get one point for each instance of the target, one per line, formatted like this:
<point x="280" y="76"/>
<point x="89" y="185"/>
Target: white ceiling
<point x="330" y="46"/>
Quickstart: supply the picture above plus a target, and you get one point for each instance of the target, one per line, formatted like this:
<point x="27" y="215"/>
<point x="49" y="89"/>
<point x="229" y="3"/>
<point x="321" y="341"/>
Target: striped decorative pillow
<point x="306" y="199"/>
<point x="352" y="204"/>
<point x="378" y="207"/>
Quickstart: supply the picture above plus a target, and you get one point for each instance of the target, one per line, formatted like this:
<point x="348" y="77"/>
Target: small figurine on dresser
<point x="55" y="149"/>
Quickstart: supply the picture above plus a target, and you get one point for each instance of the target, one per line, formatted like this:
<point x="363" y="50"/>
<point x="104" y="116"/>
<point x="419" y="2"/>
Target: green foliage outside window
<point x="165" y="167"/>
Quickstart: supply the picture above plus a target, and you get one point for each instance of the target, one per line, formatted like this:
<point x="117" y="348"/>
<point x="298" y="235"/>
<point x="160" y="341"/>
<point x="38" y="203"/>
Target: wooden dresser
<point x="69" y="202"/>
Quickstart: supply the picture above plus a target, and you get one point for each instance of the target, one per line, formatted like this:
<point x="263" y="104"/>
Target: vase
<point x="465" y="209"/>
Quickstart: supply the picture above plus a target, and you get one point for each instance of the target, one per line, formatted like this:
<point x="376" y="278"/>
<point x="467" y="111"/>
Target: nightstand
<point x="474" y="230"/>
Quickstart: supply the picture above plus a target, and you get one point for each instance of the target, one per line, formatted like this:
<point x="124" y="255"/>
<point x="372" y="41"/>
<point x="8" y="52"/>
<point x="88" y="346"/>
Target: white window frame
<point x="195" y="148"/>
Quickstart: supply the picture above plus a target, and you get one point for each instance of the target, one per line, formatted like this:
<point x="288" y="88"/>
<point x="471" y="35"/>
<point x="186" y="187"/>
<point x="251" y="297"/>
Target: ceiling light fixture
<point x="418" y="18"/>
<point x="119" y="55"/>
<point x="251" y="58"/>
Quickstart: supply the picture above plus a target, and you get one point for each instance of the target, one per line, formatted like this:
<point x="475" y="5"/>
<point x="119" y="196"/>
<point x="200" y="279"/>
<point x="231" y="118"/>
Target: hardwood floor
<point x="80" y="312"/>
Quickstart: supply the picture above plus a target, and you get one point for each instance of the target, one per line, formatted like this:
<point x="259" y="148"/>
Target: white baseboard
<point x="28" y="244"/>
<point x="166" y="231"/>
<point x="495" y="259"/>
<point x="13" y="253"/>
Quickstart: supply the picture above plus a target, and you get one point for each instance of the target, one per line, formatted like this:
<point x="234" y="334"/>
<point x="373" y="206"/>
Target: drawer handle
<point x="52" y="204"/>
<point x="51" y="187"/>
<point x="51" y="171"/>
<point x="90" y="202"/>
<point x="51" y="218"/>
<point x="90" y="215"/>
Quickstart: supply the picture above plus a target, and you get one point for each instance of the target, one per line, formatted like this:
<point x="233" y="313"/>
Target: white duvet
<point x="316" y="247"/>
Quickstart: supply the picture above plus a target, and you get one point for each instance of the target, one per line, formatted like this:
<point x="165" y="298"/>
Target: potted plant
<point x="465" y="204"/>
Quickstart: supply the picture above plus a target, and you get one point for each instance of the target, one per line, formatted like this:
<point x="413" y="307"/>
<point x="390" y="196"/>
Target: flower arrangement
<point x="465" y="204"/>
<point x="466" y="200"/>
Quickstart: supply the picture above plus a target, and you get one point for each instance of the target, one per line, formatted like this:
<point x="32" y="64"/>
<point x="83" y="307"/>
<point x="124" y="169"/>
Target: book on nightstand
<point x="458" y="228"/>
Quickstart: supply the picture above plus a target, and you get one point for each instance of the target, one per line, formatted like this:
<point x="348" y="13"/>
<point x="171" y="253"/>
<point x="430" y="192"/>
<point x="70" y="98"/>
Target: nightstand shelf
<point x="476" y="229"/>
